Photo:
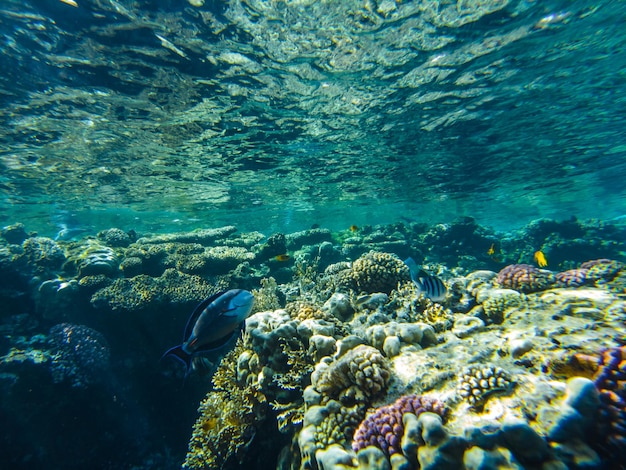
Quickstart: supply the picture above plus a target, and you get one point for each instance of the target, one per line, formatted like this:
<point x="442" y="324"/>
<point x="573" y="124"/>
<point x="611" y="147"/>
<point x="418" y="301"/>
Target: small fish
<point x="540" y="258"/>
<point x="282" y="258"/>
<point x="428" y="285"/>
<point x="354" y="228"/>
<point x="492" y="249"/>
<point x="213" y="326"/>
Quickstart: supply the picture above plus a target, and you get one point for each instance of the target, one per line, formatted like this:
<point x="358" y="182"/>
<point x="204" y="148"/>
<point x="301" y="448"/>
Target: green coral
<point x="142" y="292"/>
<point x="499" y="302"/>
<point x="339" y="424"/>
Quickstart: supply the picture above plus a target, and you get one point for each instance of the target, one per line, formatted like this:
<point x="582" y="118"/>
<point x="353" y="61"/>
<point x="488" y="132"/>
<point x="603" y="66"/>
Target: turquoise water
<point x="276" y="115"/>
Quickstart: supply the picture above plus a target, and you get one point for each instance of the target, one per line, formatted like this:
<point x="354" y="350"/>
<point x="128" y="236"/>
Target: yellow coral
<point x="229" y="417"/>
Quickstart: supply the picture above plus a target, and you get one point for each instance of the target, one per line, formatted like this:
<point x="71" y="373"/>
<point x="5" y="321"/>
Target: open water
<point x="166" y="116"/>
<point x="283" y="114"/>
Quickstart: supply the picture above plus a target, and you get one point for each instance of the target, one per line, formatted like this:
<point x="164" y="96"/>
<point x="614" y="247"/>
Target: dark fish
<point x="213" y="326"/>
<point x="428" y="285"/>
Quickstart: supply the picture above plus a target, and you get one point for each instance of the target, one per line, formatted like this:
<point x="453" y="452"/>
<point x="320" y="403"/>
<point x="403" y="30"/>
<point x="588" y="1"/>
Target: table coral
<point x="143" y="291"/>
<point x="525" y="278"/>
<point x="384" y="428"/>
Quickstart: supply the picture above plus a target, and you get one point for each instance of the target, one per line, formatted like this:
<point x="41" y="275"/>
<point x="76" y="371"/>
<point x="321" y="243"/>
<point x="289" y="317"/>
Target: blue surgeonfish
<point x="213" y="326"/>
<point x="428" y="285"/>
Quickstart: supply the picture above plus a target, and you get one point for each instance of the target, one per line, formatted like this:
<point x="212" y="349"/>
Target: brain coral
<point x="573" y="278"/>
<point x="605" y="269"/>
<point x="525" y="278"/>
<point x="384" y="428"/>
<point x="374" y="272"/>
<point x="356" y="377"/>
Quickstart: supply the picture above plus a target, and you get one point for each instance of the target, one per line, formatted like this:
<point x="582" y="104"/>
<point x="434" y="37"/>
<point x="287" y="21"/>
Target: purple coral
<point x="384" y="428"/>
<point x="525" y="278"/>
<point x="573" y="278"/>
<point x="610" y="380"/>
<point x="80" y="354"/>
<point x="605" y="269"/>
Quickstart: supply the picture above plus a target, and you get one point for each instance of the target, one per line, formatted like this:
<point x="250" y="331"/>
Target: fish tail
<point x="178" y="353"/>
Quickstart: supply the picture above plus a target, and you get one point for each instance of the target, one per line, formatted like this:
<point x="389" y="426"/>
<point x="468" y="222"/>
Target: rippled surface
<point x="275" y="115"/>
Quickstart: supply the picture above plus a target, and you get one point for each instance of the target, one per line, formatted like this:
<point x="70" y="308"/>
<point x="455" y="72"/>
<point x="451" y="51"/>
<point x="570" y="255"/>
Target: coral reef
<point x="610" y="381"/>
<point x="374" y="272"/>
<point x="204" y="237"/>
<point x="573" y="277"/>
<point x="79" y="354"/>
<point x="528" y="362"/>
<point x="229" y="417"/>
<point x="43" y="255"/>
<point x="477" y="383"/>
<point x="143" y="292"/>
<point x="602" y="269"/>
<point x="356" y="377"/>
<point x="96" y="259"/>
<point x="525" y="278"/>
<point x="116" y="237"/>
<point x="384" y="428"/>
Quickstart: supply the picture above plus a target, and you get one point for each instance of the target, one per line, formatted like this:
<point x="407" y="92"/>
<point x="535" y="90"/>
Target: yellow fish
<point x="354" y="228"/>
<point x="492" y="249"/>
<point x="540" y="258"/>
<point x="282" y="258"/>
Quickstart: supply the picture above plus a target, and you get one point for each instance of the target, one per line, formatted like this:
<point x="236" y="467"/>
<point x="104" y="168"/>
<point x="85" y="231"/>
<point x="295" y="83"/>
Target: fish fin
<point x="222" y="342"/>
<point x="179" y="354"/>
<point x="193" y="318"/>
<point x="414" y="269"/>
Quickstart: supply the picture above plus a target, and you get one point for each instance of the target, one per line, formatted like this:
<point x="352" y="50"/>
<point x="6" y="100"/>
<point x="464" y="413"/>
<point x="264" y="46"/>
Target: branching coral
<point x="229" y="418"/>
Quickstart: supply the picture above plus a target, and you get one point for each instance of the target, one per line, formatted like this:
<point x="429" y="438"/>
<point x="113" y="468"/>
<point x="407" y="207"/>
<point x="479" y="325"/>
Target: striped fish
<point x="427" y="285"/>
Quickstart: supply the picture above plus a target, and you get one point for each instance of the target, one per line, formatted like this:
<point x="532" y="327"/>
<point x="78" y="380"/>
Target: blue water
<point x="278" y="115"/>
